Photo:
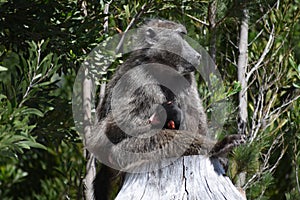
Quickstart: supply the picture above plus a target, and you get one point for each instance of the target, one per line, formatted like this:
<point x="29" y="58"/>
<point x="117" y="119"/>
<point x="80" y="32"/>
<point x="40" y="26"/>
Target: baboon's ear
<point x="150" y="36"/>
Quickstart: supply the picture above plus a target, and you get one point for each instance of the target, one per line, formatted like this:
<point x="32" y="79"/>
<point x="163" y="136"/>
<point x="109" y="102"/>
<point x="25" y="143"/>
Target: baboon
<point x="160" y="69"/>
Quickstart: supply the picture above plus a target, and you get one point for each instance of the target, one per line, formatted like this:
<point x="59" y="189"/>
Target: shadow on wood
<point x="190" y="177"/>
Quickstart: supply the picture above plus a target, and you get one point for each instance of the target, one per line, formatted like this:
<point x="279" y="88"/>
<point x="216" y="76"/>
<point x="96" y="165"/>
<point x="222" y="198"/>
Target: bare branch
<point x="256" y="37"/>
<point x="266" y="168"/>
<point x="84" y="8"/>
<point x="284" y="106"/>
<point x="256" y="117"/>
<point x="263" y="55"/>
<point x="106" y="11"/>
<point x="196" y="19"/>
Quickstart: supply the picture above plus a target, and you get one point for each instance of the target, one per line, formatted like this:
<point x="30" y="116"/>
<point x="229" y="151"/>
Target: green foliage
<point x="43" y="43"/>
<point x="15" y="119"/>
<point x="29" y="97"/>
<point x="66" y="180"/>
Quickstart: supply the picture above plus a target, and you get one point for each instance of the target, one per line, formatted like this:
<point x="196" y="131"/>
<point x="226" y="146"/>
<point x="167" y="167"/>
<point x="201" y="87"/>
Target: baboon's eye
<point x="150" y="33"/>
<point x="182" y="34"/>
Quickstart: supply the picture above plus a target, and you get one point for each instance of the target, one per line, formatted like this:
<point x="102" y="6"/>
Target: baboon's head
<point x="164" y="41"/>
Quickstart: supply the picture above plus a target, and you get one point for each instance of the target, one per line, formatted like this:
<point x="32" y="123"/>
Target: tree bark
<point x="212" y="8"/>
<point x="91" y="165"/>
<point x="242" y="70"/>
<point x="87" y="91"/>
<point x="190" y="177"/>
<point x="86" y="101"/>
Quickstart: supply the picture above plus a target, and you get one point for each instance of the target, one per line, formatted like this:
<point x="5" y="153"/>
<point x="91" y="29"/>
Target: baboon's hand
<point x="226" y="145"/>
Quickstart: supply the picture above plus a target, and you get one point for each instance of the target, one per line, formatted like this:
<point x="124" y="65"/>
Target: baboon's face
<point x="169" y="45"/>
<point x="164" y="43"/>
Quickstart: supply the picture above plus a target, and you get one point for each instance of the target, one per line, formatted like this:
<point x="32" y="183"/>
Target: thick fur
<point x="159" y="43"/>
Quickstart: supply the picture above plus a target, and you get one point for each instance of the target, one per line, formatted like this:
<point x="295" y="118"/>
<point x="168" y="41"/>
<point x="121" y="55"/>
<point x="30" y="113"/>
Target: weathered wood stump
<point x="190" y="177"/>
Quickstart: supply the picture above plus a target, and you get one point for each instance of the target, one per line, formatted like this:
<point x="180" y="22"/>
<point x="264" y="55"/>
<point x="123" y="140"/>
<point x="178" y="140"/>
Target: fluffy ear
<point x="150" y="36"/>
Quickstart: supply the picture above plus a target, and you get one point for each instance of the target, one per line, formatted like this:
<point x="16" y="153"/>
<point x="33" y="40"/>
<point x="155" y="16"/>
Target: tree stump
<point x="189" y="177"/>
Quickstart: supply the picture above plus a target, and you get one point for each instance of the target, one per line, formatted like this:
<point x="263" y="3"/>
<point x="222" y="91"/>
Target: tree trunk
<point x="212" y="9"/>
<point x="242" y="70"/>
<point x="90" y="166"/>
<point x="190" y="177"/>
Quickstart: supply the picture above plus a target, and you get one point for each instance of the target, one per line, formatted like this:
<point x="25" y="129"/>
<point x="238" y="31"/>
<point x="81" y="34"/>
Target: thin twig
<point x="256" y="37"/>
<point x="266" y="167"/>
<point x="284" y="105"/>
<point x="131" y="24"/>
<point x="263" y="55"/>
<point x="106" y="10"/>
<point x="195" y="19"/>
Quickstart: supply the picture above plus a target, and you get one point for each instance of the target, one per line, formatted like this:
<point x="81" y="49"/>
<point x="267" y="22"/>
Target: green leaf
<point x="127" y="12"/>
<point x="2" y="96"/>
<point x="296" y="85"/>
<point x="37" y="76"/>
<point x="32" y="144"/>
<point x="33" y="111"/>
<point x="3" y="69"/>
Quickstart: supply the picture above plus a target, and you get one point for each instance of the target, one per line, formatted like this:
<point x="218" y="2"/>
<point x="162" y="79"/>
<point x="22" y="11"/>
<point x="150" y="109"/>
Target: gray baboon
<point x="159" y="70"/>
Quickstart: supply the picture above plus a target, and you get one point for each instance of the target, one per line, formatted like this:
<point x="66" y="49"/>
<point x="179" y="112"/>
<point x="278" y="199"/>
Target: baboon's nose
<point x="198" y="57"/>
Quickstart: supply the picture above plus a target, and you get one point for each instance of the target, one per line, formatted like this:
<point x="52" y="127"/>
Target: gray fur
<point x="161" y="56"/>
<point x="159" y="48"/>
